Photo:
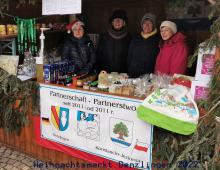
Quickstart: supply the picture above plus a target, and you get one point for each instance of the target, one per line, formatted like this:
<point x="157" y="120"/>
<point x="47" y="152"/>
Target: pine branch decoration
<point x="17" y="98"/>
<point x="214" y="39"/>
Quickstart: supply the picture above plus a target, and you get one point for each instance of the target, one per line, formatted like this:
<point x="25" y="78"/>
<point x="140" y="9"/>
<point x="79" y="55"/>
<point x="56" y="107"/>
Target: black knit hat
<point x="119" y="13"/>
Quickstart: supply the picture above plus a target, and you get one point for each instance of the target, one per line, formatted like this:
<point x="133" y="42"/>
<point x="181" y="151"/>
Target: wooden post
<point x="217" y="54"/>
<point x="217" y="145"/>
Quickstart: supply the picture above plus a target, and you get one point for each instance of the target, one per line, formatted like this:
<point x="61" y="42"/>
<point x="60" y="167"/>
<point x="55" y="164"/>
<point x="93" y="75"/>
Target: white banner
<point x="50" y="7"/>
<point x="95" y="123"/>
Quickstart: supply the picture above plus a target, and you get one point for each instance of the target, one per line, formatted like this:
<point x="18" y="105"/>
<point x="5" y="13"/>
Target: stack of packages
<point x="205" y="65"/>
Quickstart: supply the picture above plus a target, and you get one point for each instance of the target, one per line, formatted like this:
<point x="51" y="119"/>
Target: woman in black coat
<point x="144" y="48"/>
<point x="113" y="45"/>
<point x="79" y="49"/>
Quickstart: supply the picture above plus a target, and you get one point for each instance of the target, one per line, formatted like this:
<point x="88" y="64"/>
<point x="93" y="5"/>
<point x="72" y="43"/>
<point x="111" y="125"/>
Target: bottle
<point x="29" y="65"/>
<point x="68" y="81"/>
<point x="39" y="72"/>
<point x="40" y="61"/>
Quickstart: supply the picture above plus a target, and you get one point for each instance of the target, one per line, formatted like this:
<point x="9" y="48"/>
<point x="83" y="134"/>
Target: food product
<point x="103" y="82"/>
<point x="10" y="29"/>
<point x="9" y="63"/>
<point x="86" y="85"/>
<point x="2" y="30"/>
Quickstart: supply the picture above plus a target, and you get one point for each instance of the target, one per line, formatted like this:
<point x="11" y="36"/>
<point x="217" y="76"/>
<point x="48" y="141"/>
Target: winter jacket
<point x="142" y="55"/>
<point x="173" y="56"/>
<point x="112" y="51"/>
<point x="81" y="52"/>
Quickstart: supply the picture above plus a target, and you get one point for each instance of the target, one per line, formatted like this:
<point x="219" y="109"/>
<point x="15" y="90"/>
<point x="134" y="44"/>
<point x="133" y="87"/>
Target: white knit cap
<point x="169" y="24"/>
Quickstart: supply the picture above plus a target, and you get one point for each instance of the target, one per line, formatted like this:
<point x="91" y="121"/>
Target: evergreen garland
<point x="17" y="98"/>
<point x="21" y="2"/>
<point x="214" y="39"/>
<point x="5" y="4"/>
<point x="176" y="3"/>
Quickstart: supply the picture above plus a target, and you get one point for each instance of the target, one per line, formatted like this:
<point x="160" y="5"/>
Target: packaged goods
<point x="86" y="85"/>
<point x="10" y="29"/>
<point x="182" y="80"/>
<point x="47" y="73"/>
<point x="15" y="29"/>
<point x="93" y="88"/>
<point x="79" y="83"/>
<point x="200" y="90"/>
<point x="58" y="73"/>
<point x="9" y="63"/>
<point x="2" y="30"/>
<point x="128" y="90"/>
<point x="205" y="63"/>
<point x="103" y="81"/>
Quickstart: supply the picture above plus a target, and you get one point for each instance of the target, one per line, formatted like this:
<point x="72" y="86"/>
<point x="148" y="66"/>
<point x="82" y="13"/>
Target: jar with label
<point x="68" y="81"/>
<point x="10" y="29"/>
<point x="86" y="85"/>
<point x="2" y="30"/>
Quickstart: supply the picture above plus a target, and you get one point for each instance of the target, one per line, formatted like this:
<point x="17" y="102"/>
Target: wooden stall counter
<point x="89" y="129"/>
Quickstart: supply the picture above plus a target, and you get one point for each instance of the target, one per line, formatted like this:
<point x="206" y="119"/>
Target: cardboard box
<point x="200" y="90"/>
<point x="205" y="64"/>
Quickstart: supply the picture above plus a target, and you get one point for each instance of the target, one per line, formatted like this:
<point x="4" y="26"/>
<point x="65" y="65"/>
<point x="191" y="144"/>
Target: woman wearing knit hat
<point x="113" y="44"/>
<point x="173" y="50"/>
<point x="79" y="48"/>
<point x="144" y="48"/>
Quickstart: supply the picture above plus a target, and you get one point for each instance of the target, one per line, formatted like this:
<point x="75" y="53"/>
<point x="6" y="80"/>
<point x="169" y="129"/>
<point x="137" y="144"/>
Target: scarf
<point x="146" y="36"/>
<point x="117" y="34"/>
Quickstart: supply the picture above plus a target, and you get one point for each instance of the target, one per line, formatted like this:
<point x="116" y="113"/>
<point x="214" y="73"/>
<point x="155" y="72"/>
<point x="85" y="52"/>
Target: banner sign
<point x="51" y="7"/>
<point x="99" y="124"/>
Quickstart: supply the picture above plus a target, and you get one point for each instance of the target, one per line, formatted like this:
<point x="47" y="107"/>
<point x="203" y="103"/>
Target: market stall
<point x="108" y="120"/>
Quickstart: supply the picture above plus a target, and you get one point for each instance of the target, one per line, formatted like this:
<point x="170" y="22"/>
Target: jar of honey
<point x="9" y="29"/>
<point x="2" y="30"/>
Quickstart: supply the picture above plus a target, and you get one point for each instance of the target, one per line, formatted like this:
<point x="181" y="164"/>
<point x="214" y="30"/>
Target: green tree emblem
<point x="121" y="129"/>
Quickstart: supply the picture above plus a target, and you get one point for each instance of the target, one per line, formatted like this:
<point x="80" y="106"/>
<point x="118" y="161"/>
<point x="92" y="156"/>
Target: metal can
<point x="66" y="69"/>
<point x="56" y="70"/>
<point x="72" y="67"/>
<point x="52" y="73"/>
<point x="69" y="67"/>
<point x="61" y="73"/>
<point x="47" y="73"/>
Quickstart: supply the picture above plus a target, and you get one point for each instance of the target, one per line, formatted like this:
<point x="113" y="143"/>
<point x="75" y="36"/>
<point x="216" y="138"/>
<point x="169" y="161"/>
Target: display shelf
<point x="2" y="37"/>
<point x="8" y="44"/>
<point x="52" y="31"/>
